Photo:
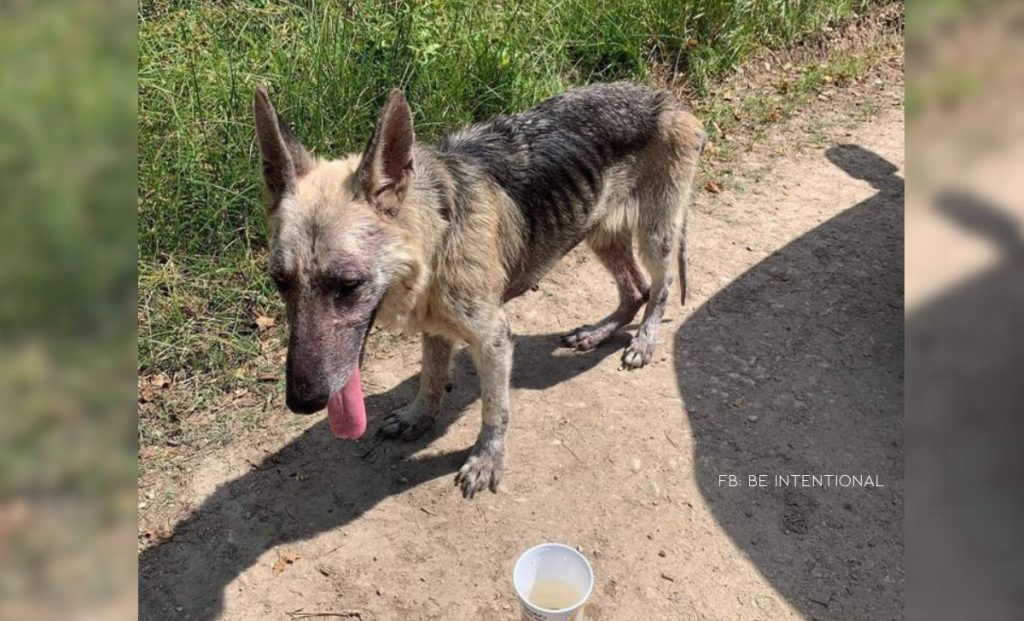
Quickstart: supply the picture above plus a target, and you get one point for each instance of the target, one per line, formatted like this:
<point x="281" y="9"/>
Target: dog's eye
<point x="346" y="286"/>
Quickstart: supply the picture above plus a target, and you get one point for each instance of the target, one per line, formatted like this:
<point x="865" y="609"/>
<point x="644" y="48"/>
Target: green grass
<point x="760" y="109"/>
<point x="201" y="233"/>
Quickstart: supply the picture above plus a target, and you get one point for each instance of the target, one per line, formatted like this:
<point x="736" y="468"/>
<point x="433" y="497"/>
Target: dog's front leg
<point x="491" y="349"/>
<point x="413" y="420"/>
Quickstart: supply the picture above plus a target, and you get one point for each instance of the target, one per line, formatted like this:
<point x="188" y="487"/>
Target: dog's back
<point x="573" y="163"/>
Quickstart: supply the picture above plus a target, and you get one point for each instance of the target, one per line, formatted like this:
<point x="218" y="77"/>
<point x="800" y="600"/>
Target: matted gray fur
<point x="436" y="238"/>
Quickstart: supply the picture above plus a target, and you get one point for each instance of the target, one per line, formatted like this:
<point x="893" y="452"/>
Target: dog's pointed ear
<point x="386" y="168"/>
<point x="285" y="161"/>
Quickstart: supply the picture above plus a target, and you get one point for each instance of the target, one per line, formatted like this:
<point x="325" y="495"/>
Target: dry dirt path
<point x="786" y="359"/>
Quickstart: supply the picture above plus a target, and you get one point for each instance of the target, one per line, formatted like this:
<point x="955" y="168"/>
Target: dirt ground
<point x="786" y="359"/>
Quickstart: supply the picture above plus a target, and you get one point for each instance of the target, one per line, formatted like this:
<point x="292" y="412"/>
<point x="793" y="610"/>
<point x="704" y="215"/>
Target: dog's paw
<point x="408" y="423"/>
<point x="481" y="470"/>
<point x="586" y="338"/>
<point x="638" y="353"/>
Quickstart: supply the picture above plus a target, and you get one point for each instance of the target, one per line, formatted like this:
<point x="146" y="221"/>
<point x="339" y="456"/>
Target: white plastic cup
<point x="552" y="561"/>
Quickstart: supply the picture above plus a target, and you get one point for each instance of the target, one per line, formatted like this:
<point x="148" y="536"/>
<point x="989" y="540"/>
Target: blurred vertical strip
<point x="965" y="310"/>
<point x="68" y="100"/>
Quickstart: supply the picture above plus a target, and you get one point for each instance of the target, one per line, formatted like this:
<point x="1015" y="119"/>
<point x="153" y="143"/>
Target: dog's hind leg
<point x="661" y="225"/>
<point x="413" y="420"/>
<point x="656" y="257"/>
<point x="664" y="195"/>
<point x="615" y="251"/>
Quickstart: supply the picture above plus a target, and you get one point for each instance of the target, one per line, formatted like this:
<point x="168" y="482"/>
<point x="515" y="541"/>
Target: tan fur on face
<point x="323" y="219"/>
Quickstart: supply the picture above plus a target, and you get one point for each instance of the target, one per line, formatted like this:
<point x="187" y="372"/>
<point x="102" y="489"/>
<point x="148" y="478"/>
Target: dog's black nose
<point x="304" y="402"/>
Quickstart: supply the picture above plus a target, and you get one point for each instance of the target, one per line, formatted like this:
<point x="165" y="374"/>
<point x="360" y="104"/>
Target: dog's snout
<point x="301" y="404"/>
<point x="303" y="398"/>
<point x="306" y="389"/>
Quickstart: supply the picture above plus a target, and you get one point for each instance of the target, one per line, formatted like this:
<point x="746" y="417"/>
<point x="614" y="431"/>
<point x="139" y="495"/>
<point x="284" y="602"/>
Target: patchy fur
<point x="435" y="239"/>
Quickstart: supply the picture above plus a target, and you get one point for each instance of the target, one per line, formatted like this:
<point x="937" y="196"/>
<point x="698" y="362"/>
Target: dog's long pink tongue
<point x="346" y="412"/>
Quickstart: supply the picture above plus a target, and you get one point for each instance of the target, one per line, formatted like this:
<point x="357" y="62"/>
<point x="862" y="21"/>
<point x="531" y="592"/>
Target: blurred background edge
<point x="68" y="103"/>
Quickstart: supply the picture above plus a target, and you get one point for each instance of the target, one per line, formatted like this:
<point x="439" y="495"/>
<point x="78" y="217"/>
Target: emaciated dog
<point x="437" y="238"/>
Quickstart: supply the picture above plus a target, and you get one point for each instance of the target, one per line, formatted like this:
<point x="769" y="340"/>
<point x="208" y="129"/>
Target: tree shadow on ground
<point x="796" y="367"/>
<point x="184" y="577"/>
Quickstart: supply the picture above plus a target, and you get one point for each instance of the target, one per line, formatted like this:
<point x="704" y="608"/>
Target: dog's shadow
<point x="316" y="483"/>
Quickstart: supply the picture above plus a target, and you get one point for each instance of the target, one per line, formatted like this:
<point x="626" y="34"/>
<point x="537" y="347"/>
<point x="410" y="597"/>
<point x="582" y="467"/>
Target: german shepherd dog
<point x="437" y="238"/>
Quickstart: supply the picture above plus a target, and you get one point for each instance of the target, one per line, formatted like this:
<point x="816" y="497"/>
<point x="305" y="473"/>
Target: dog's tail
<point x="682" y="266"/>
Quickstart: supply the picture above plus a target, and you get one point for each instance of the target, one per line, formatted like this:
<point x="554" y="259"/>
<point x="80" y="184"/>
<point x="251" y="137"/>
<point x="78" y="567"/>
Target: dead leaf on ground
<point x="263" y="322"/>
<point x="713" y="187"/>
<point x="154" y="381"/>
<point x="267" y="376"/>
<point x="159" y="533"/>
<point x="149" y="385"/>
<point x="284" y="558"/>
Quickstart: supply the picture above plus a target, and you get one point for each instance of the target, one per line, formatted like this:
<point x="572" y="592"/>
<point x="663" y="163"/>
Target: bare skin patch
<point x="437" y="239"/>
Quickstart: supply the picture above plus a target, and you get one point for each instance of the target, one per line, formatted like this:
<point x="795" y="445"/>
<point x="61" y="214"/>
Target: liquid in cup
<point x="553" y="582"/>
<point x="553" y="594"/>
